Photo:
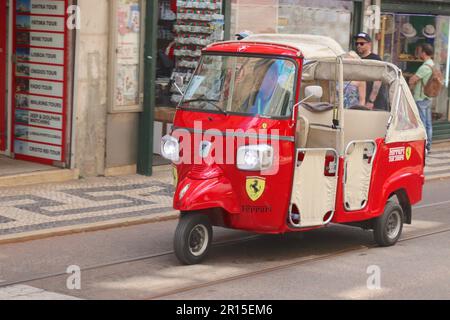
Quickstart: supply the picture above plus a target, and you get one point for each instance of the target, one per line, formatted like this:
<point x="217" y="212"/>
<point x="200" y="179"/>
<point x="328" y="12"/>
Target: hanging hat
<point x="408" y="30"/>
<point x="429" y="31"/>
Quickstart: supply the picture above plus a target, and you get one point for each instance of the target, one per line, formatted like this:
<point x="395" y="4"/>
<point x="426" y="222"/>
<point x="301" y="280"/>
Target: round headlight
<point x="251" y="158"/>
<point x="170" y="148"/>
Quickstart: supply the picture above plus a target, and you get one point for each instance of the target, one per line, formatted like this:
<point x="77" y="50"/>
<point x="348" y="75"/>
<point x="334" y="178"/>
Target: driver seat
<point x="301" y="133"/>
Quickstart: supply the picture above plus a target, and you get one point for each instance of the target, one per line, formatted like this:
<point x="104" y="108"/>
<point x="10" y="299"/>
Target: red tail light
<point x="330" y="166"/>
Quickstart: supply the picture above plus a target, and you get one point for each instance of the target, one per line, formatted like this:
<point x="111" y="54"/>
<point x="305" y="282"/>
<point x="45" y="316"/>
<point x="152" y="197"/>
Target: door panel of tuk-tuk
<point x="314" y="188"/>
<point x="357" y="175"/>
<point x="397" y="168"/>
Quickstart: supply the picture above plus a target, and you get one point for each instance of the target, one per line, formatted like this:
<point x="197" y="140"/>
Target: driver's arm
<point x="375" y="90"/>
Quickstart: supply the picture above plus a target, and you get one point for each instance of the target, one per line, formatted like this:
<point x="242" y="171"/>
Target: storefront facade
<point x="404" y="26"/>
<point x="57" y="84"/>
<point x="35" y="55"/>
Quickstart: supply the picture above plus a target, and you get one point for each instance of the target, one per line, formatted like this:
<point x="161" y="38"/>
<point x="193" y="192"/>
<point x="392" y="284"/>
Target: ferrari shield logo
<point x="255" y="187"/>
<point x="408" y="153"/>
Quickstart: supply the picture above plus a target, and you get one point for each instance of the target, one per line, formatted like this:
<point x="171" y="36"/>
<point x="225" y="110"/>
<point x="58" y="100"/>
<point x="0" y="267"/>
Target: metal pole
<point x="145" y="132"/>
<point x="341" y="132"/>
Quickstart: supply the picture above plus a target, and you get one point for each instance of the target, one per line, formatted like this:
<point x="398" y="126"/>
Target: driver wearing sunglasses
<point x="375" y="92"/>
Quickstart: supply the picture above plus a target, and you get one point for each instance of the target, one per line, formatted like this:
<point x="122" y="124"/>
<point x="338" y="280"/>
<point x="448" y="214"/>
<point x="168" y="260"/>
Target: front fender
<point x="206" y="194"/>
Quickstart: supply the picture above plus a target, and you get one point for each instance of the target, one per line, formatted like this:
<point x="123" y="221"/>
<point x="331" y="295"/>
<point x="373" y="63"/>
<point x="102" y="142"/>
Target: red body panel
<point x="250" y="47"/>
<point x="232" y="195"/>
<point x="224" y="185"/>
<point x="386" y="179"/>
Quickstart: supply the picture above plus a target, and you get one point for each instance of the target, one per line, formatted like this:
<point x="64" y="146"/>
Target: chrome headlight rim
<point x="172" y="154"/>
<point x="255" y="157"/>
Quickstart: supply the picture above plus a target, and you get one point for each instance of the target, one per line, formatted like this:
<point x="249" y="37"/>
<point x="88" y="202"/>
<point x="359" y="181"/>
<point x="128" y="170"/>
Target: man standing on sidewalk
<point x="417" y="83"/>
<point x="375" y="92"/>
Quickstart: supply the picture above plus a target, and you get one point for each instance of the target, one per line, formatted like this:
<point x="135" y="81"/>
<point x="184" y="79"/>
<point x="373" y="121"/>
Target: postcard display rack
<point x="199" y="23"/>
<point x="40" y="46"/>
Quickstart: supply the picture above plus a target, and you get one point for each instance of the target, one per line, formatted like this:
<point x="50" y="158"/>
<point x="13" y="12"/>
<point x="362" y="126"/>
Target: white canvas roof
<point x="312" y="47"/>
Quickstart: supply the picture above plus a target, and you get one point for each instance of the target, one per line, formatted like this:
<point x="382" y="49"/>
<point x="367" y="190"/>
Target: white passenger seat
<point x="301" y="134"/>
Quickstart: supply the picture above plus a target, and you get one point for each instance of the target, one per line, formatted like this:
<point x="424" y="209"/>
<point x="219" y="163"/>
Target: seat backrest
<point x="301" y="134"/>
<point x="320" y="134"/>
<point x="365" y="125"/>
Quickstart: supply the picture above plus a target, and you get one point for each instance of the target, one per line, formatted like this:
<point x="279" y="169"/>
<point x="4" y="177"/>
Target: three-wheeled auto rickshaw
<point x="264" y="141"/>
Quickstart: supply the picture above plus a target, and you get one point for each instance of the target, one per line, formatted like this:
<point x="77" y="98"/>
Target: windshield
<point x="244" y="85"/>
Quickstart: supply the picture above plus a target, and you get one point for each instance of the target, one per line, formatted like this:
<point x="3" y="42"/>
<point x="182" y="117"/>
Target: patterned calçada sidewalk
<point x="85" y="202"/>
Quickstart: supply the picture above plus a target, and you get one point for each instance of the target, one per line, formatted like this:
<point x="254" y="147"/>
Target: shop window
<point x="126" y="37"/>
<point x="184" y="29"/>
<point x="400" y="36"/>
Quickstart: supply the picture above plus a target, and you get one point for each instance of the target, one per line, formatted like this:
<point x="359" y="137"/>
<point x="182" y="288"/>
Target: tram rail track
<point x="298" y="262"/>
<point x="121" y="261"/>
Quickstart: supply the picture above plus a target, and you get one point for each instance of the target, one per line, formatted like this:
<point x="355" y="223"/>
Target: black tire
<point x="388" y="227"/>
<point x="193" y="238"/>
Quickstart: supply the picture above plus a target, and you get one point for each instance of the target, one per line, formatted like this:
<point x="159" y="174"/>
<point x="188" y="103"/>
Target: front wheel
<point x="193" y="238"/>
<point x="388" y="228"/>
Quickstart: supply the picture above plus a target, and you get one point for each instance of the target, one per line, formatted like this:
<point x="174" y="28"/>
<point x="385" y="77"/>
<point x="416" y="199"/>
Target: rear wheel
<point x="193" y="238"/>
<point x="388" y="228"/>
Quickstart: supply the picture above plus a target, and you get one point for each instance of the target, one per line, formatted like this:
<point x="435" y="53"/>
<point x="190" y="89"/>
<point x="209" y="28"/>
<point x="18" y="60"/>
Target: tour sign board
<point x="40" y="80"/>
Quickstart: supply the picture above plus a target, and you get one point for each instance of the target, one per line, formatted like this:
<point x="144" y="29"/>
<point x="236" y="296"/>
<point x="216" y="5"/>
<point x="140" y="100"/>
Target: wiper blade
<point x="210" y="101"/>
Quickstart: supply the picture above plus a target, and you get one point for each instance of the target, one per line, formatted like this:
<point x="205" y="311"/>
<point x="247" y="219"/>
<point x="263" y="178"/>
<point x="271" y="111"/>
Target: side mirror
<point x="310" y="92"/>
<point x="313" y="92"/>
<point x="179" y="83"/>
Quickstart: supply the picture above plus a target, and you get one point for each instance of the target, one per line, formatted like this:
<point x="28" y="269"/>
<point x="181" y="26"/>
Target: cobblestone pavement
<point x="87" y="201"/>
<point x="103" y="200"/>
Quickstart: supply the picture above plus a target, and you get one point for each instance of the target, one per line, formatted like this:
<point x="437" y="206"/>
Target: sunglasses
<point x="360" y="43"/>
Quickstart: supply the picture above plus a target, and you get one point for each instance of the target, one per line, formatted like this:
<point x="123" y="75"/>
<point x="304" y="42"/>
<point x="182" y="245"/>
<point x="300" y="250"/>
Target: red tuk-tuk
<point x="264" y="140"/>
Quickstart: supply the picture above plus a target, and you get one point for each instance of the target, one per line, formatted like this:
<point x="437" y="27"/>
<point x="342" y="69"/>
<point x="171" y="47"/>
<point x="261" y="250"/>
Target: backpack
<point x="435" y="84"/>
